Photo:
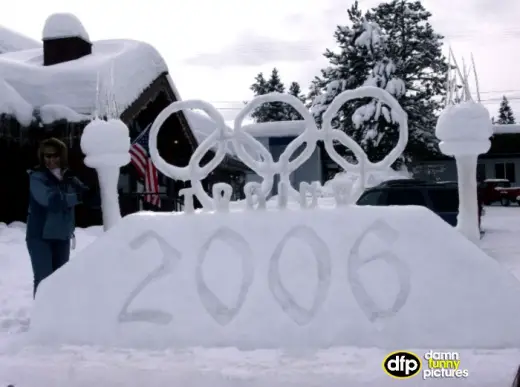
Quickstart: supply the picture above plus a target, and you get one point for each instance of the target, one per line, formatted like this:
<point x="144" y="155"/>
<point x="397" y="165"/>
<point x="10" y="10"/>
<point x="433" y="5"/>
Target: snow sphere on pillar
<point x="464" y="130"/>
<point x="106" y="146"/>
<point x="106" y="143"/>
<point x="64" y="25"/>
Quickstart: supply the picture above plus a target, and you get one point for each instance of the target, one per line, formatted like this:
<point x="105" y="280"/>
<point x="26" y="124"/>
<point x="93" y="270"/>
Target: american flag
<point x="142" y="161"/>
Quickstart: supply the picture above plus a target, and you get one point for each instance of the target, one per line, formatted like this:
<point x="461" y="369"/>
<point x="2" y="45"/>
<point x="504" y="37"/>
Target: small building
<point x="57" y="88"/>
<point x="275" y="137"/>
<point x="502" y="161"/>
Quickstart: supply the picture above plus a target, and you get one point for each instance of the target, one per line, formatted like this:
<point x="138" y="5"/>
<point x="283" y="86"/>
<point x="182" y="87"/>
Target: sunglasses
<point x="51" y="155"/>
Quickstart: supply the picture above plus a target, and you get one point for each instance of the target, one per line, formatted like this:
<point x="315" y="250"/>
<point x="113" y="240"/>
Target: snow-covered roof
<point x="202" y="126"/>
<point x="506" y="129"/>
<point x="11" y="103"/>
<point x="276" y="129"/>
<point x="64" y="25"/>
<point x="13" y="41"/>
<point x="74" y="84"/>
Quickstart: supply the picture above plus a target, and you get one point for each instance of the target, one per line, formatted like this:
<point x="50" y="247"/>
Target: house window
<point x="505" y="171"/>
<point x="481" y="172"/>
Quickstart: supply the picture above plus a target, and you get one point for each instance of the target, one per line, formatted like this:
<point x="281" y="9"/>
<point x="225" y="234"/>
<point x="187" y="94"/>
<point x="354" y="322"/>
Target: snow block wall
<point x="360" y="276"/>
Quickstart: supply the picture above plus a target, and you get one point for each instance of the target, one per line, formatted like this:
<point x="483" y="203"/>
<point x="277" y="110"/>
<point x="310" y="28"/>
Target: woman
<point x="54" y="192"/>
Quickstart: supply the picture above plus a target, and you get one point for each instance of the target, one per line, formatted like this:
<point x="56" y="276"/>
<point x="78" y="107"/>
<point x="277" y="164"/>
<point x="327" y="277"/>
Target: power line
<point x="483" y="100"/>
<point x="499" y="91"/>
<point x="481" y="92"/>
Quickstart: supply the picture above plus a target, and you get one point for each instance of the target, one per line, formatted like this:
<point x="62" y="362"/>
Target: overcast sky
<point x="214" y="49"/>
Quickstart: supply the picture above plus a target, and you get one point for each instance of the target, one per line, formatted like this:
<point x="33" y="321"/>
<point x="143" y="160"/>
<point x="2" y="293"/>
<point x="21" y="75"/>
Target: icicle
<point x="114" y="111"/>
<point x="465" y="83"/>
<point x="467" y="70"/>
<point x="453" y="87"/>
<point x="108" y="106"/>
<point x="98" y="106"/>
<point x="476" y="77"/>
<point x="464" y="94"/>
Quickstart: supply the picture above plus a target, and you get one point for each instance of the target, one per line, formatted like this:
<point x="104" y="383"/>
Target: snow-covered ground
<point x="26" y="365"/>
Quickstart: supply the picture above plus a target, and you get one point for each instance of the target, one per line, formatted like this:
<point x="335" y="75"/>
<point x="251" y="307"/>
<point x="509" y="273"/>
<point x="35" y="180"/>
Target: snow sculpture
<point x="464" y="130"/>
<point x="106" y="145"/>
<point x="356" y="276"/>
<point x="267" y="169"/>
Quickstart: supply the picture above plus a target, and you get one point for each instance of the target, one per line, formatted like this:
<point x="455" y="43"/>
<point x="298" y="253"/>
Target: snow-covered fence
<point x="241" y="142"/>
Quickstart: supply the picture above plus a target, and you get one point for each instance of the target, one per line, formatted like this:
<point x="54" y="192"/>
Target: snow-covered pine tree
<point x="315" y="91"/>
<point x="259" y="87"/>
<point x="347" y="70"/>
<point x="295" y="89"/>
<point x="291" y="114"/>
<point x="408" y="52"/>
<point x="376" y="129"/>
<point x="505" y="113"/>
<point x="273" y="111"/>
<point x="416" y="50"/>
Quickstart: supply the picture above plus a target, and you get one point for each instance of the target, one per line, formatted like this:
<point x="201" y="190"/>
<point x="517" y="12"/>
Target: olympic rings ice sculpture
<point x="267" y="168"/>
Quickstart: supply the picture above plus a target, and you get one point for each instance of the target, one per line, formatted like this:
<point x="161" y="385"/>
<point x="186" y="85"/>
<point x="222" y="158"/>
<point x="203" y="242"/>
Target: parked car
<point x="509" y="195"/>
<point x="441" y="198"/>
<point x="491" y="191"/>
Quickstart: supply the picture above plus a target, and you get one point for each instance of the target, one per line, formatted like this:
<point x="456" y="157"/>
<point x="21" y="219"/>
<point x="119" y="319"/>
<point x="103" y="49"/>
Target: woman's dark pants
<point x="47" y="256"/>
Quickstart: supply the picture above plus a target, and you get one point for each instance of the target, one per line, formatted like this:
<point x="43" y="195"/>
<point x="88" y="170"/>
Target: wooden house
<point x="53" y="91"/>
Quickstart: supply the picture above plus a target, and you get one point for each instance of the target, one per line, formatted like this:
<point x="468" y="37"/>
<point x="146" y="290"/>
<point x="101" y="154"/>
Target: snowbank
<point x="73" y="366"/>
<point x="174" y="280"/>
<point x="64" y="25"/>
<point x="74" y="84"/>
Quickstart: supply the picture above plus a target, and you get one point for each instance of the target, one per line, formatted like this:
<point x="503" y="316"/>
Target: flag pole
<point x="142" y="133"/>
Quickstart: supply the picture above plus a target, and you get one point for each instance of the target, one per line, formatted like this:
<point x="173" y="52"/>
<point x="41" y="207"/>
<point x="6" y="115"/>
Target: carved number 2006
<point x="170" y="257"/>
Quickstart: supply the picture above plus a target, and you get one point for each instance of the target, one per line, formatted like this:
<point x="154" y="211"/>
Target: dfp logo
<point x="402" y="365"/>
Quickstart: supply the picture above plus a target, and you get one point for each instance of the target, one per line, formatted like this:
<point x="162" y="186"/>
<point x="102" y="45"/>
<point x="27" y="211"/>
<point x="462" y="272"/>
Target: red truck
<point x="498" y="190"/>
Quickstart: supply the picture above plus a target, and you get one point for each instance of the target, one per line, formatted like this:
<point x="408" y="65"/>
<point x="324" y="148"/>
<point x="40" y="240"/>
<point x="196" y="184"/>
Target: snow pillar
<point x="467" y="219"/>
<point x="106" y="146"/>
<point x="464" y="130"/>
